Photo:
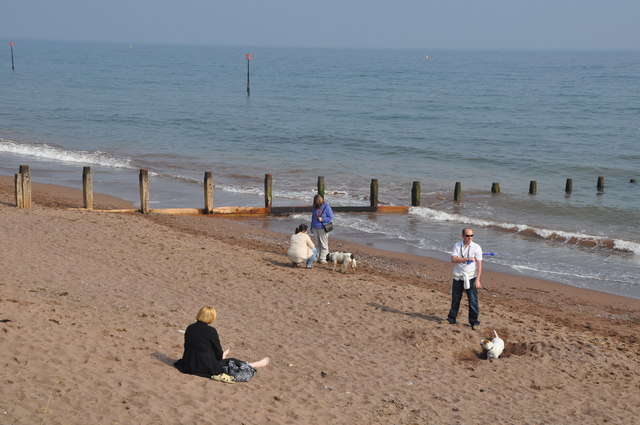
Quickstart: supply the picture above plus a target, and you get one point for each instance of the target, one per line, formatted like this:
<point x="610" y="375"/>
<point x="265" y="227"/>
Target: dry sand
<point x="91" y="305"/>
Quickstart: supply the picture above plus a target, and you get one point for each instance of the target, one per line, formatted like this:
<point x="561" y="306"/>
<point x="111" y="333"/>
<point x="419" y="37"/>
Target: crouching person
<point x="301" y="248"/>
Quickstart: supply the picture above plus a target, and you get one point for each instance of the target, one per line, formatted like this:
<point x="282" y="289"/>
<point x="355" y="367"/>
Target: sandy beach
<point x="92" y="304"/>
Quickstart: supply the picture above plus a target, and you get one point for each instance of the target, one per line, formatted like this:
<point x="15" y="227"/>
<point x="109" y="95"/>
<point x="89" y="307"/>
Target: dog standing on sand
<point x="345" y="259"/>
<point x="493" y="347"/>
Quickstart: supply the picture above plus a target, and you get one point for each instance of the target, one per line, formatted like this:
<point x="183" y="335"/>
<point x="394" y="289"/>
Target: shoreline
<point x="430" y="234"/>
<point x="57" y="196"/>
<point x="92" y="304"/>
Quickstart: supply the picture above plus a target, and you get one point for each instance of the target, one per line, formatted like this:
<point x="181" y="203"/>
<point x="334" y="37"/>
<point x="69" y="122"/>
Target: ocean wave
<point x="571" y="276"/>
<point x="179" y="177"/>
<point x="523" y="269"/>
<point x="571" y="238"/>
<point x="342" y="198"/>
<point x="239" y="189"/>
<point x="47" y="152"/>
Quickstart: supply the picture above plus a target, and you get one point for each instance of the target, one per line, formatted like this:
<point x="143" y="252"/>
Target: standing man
<point x="467" y="257"/>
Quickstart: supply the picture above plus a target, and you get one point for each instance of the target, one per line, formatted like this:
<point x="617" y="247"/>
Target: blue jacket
<point x="325" y="212"/>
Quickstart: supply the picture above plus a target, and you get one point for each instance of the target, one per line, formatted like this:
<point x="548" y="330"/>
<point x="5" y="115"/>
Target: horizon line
<point x="273" y="46"/>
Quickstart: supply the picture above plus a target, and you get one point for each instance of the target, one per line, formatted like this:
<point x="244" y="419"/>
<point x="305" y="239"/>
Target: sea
<point x="352" y="115"/>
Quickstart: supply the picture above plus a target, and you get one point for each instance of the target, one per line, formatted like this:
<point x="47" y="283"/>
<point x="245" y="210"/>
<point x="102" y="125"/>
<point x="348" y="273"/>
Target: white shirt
<point x="471" y="251"/>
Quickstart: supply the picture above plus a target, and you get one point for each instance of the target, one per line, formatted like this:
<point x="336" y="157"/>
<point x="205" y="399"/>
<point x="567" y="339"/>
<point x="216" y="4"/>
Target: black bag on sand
<point x="241" y="371"/>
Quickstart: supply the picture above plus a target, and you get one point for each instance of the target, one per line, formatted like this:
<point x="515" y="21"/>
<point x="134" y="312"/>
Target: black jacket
<point x="202" y="351"/>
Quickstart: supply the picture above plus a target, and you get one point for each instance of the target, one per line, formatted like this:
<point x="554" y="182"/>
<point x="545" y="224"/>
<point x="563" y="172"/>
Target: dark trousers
<point x="456" y="296"/>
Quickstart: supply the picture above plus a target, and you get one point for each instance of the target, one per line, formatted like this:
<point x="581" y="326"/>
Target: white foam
<point x="553" y="272"/>
<point x="44" y="151"/>
<point x="177" y="177"/>
<point x="571" y="277"/>
<point x="240" y="189"/>
<point x="371" y="227"/>
<point x="444" y="216"/>
<point x="627" y="246"/>
<point x="560" y="235"/>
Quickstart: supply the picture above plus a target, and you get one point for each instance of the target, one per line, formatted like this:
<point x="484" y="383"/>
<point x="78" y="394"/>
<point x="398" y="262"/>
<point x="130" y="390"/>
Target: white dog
<point x="493" y="347"/>
<point x="346" y="259"/>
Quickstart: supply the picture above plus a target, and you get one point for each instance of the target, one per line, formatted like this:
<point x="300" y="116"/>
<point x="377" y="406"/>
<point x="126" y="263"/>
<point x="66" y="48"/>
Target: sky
<point x="404" y="24"/>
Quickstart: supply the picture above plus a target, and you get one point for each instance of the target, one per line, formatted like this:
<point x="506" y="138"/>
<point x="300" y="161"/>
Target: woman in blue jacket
<point x="321" y="216"/>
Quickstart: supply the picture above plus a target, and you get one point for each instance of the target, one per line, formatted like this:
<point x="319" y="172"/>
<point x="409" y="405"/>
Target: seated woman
<point x="203" y="355"/>
<point x="301" y="248"/>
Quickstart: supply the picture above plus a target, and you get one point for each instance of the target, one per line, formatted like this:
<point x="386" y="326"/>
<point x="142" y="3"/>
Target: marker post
<point x="13" y="68"/>
<point x="248" y="85"/>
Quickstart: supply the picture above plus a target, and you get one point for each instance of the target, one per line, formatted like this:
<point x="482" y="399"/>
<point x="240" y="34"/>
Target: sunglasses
<point x="468" y="236"/>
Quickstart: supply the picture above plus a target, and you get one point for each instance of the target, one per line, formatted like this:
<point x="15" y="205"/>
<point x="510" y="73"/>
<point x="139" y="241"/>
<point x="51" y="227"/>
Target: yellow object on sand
<point x="223" y="377"/>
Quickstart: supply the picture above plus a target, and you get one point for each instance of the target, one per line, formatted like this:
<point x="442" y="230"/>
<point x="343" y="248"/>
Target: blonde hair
<point x="207" y="314"/>
<point x="318" y="200"/>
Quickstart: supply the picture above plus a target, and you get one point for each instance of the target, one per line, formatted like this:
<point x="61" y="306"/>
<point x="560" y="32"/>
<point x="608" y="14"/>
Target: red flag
<point x="248" y="56"/>
<point x="11" y="43"/>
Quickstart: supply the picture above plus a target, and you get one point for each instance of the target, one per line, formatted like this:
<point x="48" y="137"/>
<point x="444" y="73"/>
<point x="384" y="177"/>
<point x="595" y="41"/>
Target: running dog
<point x="345" y="259"/>
<point x="493" y="347"/>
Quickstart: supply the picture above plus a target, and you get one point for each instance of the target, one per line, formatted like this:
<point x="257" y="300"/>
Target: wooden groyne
<point x="23" y="197"/>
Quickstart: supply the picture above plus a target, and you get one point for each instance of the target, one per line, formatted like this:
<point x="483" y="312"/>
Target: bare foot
<point x="260" y="363"/>
<point x="225" y="353"/>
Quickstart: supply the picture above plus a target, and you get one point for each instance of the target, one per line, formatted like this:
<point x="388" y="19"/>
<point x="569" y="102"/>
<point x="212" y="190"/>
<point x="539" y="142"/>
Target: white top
<point x="300" y="247"/>
<point x="471" y="251"/>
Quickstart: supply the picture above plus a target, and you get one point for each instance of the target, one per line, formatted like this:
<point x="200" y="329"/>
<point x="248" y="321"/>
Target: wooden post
<point x="144" y="191"/>
<point x="248" y="56"/>
<point x="268" y="191"/>
<point x="495" y="187"/>
<point x="600" y="184"/>
<point x="321" y="186"/>
<point x="533" y="187"/>
<point x="374" y="193"/>
<point x="13" y="66"/>
<point x="26" y="186"/>
<point x="87" y="188"/>
<point x="633" y="181"/>
<point x="568" y="186"/>
<point x="19" y="197"/>
<point x="208" y="192"/>
<point x="457" y="191"/>
<point x="415" y="194"/>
